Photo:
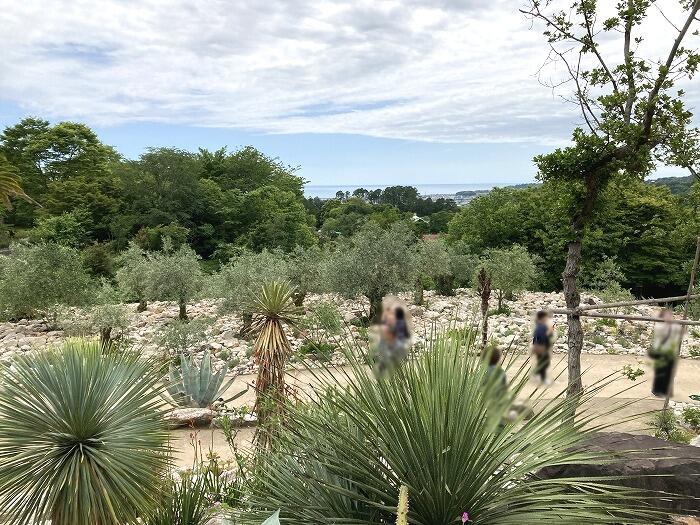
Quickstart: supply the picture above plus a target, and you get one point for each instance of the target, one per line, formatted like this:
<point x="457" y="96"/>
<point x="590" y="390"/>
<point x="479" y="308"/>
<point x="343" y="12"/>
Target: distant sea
<point x="329" y="191"/>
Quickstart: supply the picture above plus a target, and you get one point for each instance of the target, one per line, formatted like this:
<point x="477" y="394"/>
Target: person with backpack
<point x="542" y="341"/>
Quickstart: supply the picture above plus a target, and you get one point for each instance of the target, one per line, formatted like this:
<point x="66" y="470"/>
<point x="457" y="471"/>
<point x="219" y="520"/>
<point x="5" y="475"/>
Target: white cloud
<point x="440" y="70"/>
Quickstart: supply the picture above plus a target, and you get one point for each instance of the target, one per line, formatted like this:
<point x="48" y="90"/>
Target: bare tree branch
<point x="664" y="70"/>
<point x="631" y="88"/>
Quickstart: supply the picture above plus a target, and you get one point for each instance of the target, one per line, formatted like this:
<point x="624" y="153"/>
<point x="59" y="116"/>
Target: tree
<point x="271" y="308"/>
<point x="304" y="270"/>
<point x="40" y="279"/>
<point x="81" y="436"/>
<point x="510" y="271"/>
<point x="373" y="262"/>
<point x="133" y="276"/>
<point x="633" y="119"/>
<point x="175" y="275"/>
<point x="66" y="229"/>
<point x="432" y="262"/>
<point x="245" y="274"/>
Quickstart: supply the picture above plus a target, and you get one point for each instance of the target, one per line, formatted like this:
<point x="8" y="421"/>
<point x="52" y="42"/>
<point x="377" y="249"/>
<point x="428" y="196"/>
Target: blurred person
<point x="664" y="352"/>
<point x="394" y="335"/>
<point x="493" y="356"/>
<point x="542" y="342"/>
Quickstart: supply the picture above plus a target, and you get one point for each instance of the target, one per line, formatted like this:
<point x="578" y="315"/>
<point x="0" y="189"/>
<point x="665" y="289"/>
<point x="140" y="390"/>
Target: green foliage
<point x="242" y="276"/>
<point x="691" y="415"/>
<point x="436" y="426"/>
<point x="174" y="275"/>
<point x="304" y="270"/>
<point x="37" y="279"/>
<point x="321" y="351"/>
<point x="373" y="263"/>
<point x="601" y="275"/>
<point x="324" y="316"/>
<point x="10" y="183"/>
<point x="76" y="456"/>
<point x="198" y="385"/>
<point x="183" y="501"/>
<point x="181" y="337"/>
<point x="665" y="426"/>
<point x="153" y="238"/>
<point x="105" y="316"/>
<point x="632" y="373"/>
<point x="133" y="276"/>
<point x="66" y="229"/>
<point x="511" y="270"/>
<point x="98" y="261"/>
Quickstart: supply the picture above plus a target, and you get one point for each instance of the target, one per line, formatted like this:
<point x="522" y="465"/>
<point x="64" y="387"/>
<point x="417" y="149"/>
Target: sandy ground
<point x="596" y="368"/>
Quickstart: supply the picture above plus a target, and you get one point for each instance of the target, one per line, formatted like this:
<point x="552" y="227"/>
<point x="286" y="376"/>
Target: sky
<point x="350" y="91"/>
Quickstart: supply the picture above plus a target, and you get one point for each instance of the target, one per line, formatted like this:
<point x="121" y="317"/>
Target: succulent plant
<point x="193" y="385"/>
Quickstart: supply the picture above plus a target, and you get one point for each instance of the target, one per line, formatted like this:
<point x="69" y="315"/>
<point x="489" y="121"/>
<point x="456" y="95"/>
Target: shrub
<point x="319" y="351"/>
<point x="75" y="455"/>
<point x="691" y="415"/>
<point x="37" y="280"/>
<point x="632" y="373"/>
<point x="183" y="501"/>
<point x="323" y="320"/>
<point x="606" y="322"/>
<point x="435" y="425"/>
<point x="66" y="229"/>
<point x="98" y="261"/>
<point x="181" y="337"/>
<point x="665" y="426"/>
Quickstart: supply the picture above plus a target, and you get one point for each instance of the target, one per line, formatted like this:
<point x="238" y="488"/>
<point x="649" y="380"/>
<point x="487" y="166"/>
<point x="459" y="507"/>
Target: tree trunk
<point x="183" y="310"/>
<point x="418" y="292"/>
<point x="142" y="305"/>
<point x="375" y="309"/>
<point x="573" y="300"/>
<point x="484" y="289"/>
<point x="299" y="297"/>
<point x="500" y="300"/>
<point x="105" y="339"/>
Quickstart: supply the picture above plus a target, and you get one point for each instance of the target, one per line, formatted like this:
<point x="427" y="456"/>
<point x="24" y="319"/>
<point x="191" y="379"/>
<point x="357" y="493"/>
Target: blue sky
<point x="354" y="92"/>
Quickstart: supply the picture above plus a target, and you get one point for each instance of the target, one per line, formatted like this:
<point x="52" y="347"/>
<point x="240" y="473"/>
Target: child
<point x="541" y="344"/>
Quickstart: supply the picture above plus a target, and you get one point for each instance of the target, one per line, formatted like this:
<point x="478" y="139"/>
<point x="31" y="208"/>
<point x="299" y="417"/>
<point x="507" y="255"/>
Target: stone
<point x="695" y="442"/>
<point x="190" y="417"/>
<point x="646" y="463"/>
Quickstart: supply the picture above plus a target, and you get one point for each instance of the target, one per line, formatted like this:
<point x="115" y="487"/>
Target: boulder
<point x="190" y="417"/>
<point x="646" y="463"/>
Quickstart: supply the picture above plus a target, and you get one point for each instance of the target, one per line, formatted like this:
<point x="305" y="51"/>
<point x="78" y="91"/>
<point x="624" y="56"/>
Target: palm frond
<point x="10" y="184"/>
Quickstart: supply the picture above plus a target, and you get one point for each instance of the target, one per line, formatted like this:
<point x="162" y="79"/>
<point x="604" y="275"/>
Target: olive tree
<point x="304" y="270"/>
<point x="175" y="275"/>
<point x="35" y="280"/>
<point x="634" y="116"/>
<point x="510" y="270"/>
<point x="133" y="275"/>
<point x="244" y="275"/>
<point x="374" y="262"/>
<point x="432" y="262"/>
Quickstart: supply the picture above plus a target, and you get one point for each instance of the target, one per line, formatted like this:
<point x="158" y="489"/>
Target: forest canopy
<point x="223" y="203"/>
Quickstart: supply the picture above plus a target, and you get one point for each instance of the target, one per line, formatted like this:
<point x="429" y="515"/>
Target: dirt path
<point x="596" y="367"/>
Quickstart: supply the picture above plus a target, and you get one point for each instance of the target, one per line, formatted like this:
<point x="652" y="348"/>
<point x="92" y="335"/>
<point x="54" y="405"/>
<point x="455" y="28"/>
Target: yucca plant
<point x="198" y="385"/>
<point x="183" y="502"/>
<point x="271" y="308"/>
<point x="435" y="426"/>
<point x="82" y="437"/>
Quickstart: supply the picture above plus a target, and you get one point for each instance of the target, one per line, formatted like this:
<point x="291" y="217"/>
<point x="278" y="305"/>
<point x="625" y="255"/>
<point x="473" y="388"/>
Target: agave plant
<point x="193" y="385"/>
<point x="82" y="437"/>
<point x="436" y="427"/>
<point x="271" y="309"/>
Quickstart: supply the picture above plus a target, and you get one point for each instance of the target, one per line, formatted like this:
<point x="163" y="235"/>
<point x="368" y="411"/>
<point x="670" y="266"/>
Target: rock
<point x="646" y="463"/>
<point x="218" y="520"/>
<point x="695" y="442"/>
<point x="685" y="520"/>
<point x="190" y="417"/>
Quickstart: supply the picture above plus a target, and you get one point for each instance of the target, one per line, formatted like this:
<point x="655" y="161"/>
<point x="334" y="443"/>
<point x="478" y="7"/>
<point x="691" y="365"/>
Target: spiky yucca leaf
<point x="271" y="308"/>
<point x="82" y="437"/>
<point x="436" y="426"/>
